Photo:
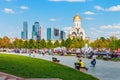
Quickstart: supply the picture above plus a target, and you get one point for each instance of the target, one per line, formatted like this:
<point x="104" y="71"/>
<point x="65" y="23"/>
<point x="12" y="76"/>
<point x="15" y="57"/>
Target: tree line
<point x="111" y="42"/>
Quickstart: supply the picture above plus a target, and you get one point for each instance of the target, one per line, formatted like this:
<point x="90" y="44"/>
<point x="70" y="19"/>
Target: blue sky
<point x="99" y="17"/>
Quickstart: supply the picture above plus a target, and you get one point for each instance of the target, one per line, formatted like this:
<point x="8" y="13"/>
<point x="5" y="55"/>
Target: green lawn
<point x="28" y="67"/>
<point x="115" y="59"/>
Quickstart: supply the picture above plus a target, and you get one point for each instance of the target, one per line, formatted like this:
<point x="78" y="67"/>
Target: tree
<point x="49" y="44"/>
<point x="15" y="43"/>
<point x="68" y="43"/>
<point x="75" y="43"/>
<point x="56" y="44"/>
<point x="5" y="42"/>
<point x="112" y="38"/>
<point x="31" y="44"/>
<point x="81" y="42"/>
<point x="63" y="43"/>
<point x="36" y="44"/>
<point x="42" y="44"/>
<point x="25" y="44"/>
<point x="0" y="42"/>
<point x="114" y="44"/>
<point x="18" y="43"/>
<point x="102" y="38"/>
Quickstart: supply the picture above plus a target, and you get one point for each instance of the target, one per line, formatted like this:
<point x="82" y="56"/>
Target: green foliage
<point x="0" y="42"/>
<point x="112" y="42"/>
<point x="49" y="44"/>
<point x="102" y="39"/>
<point x="5" y="42"/>
<point x="56" y="44"/>
<point x="63" y="42"/>
<point x="42" y="44"/>
<point x="75" y="43"/>
<point x="68" y="43"/>
<point x="25" y="44"/>
<point x="31" y="44"/>
<point x="28" y="67"/>
<point x="18" y="43"/>
<point x="100" y="43"/>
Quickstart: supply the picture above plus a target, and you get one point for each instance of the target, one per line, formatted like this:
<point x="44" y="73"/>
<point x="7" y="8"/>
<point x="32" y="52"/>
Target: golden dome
<point x="76" y="18"/>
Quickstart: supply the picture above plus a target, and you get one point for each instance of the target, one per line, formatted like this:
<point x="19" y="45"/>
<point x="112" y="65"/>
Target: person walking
<point x="93" y="62"/>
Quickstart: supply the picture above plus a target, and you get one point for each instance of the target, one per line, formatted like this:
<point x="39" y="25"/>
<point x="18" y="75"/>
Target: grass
<point x="28" y="67"/>
<point x="115" y="59"/>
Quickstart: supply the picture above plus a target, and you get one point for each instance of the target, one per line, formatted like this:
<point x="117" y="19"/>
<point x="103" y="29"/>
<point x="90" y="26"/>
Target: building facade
<point x="62" y="35"/>
<point x="36" y="31"/>
<point x="24" y="33"/>
<point x="55" y="34"/>
<point x="77" y="30"/>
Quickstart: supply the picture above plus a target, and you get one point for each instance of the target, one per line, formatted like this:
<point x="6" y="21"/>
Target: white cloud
<point x="98" y="8"/>
<point x="114" y="26"/>
<point x="105" y="31"/>
<point x="24" y="7"/>
<point x="114" y="8"/>
<point x="113" y="33"/>
<point x="88" y="18"/>
<point x="110" y="9"/>
<point x="66" y="28"/>
<point x="52" y="19"/>
<point x="89" y="13"/>
<point x="8" y="11"/>
<point x="95" y="32"/>
<point x="68" y="0"/>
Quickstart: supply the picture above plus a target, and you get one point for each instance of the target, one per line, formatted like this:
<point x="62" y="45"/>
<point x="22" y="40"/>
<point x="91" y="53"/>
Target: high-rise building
<point x="24" y="33"/>
<point x="62" y="35"/>
<point x="49" y="33"/>
<point x="36" y="31"/>
<point x="55" y="34"/>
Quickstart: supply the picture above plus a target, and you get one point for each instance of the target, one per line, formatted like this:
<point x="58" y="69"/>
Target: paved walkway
<point x="104" y="70"/>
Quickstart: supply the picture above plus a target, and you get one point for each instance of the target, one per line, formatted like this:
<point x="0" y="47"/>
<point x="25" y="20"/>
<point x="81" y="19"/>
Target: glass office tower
<point x="24" y="33"/>
<point x="36" y="35"/>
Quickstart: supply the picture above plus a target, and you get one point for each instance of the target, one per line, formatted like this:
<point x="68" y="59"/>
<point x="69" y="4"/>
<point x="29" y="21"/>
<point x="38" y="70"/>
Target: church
<point x="77" y="30"/>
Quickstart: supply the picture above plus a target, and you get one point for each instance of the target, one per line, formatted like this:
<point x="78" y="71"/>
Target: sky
<point x="100" y="18"/>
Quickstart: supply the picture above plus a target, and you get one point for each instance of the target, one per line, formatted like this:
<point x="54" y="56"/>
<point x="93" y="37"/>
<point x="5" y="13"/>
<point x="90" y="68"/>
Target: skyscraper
<point x="24" y="33"/>
<point x="36" y="31"/>
<point x="62" y="35"/>
<point x="49" y="33"/>
<point x="55" y="34"/>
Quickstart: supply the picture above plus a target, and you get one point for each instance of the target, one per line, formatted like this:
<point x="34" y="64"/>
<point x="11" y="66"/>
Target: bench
<point x="54" y="59"/>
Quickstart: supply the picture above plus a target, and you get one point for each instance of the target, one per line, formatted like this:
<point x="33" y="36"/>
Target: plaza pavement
<point x="104" y="70"/>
